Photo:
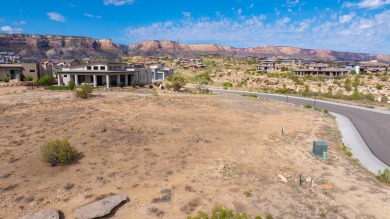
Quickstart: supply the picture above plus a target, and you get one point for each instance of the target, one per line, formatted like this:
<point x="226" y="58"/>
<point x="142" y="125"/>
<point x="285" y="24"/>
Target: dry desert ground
<point x="201" y="150"/>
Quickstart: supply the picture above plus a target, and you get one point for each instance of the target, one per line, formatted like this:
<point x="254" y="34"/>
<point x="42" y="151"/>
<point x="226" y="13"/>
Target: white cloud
<point x="370" y="4"/>
<point x="251" y="6"/>
<point x="186" y="14"/>
<point x="20" y="23"/>
<point x="118" y="2"/>
<point x="346" y="18"/>
<point x="92" y="16"/>
<point x="342" y="34"/>
<point x="10" y="30"/>
<point x="56" y="16"/>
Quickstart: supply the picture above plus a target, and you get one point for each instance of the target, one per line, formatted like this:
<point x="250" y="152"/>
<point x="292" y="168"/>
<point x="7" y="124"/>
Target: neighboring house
<point x="317" y="66"/>
<point x="267" y="65"/>
<point x="328" y="72"/>
<point x="9" y="58"/>
<point x="159" y="72"/>
<point x="105" y="74"/>
<point x="20" y="71"/>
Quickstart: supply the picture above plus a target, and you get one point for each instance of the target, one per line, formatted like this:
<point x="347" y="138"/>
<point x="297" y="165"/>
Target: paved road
<point x="373" y="125"/>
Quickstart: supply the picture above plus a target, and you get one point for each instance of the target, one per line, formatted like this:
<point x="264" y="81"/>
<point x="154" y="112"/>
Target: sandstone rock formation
<point x="64" y="47"/>
<point x="99" y="208"/>
<point x="68" y="47"/>
<point x="48" y="213"/>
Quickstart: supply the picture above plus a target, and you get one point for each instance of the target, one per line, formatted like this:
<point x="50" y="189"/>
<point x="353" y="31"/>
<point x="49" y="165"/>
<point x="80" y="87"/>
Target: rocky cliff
<point x="159" y="48"/>
<point x="64" y="47"/>
<point x="52" y="46"/>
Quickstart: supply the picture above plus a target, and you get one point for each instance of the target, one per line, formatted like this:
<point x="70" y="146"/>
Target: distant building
<point x="20" y="71"/>
<point x="327" y="72"/>
<point x="9" y="57"/>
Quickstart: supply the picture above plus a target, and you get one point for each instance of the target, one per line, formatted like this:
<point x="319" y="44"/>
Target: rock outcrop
<point x="69" y="47"/>
<point x="99" y="208"/>
<point x="65" y="47"/>
<point x="48" y="213"/>
<point x="172" y="48"/>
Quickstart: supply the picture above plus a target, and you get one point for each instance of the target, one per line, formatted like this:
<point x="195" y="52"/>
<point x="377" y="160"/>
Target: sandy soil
<point x="203" y="150"/>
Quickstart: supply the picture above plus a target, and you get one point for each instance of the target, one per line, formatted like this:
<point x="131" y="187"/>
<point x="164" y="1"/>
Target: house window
<point x="109" y="67"/>
<point x="89" y="68"/>
<point x="102" y="67"/>
<point x="32" y="70"/>
<point x="95" y="67"/>
<point x="160" y="76"/>
<point x="65" y="76"/>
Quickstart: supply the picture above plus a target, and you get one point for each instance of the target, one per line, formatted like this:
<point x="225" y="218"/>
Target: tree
<point x="177" y="81"/>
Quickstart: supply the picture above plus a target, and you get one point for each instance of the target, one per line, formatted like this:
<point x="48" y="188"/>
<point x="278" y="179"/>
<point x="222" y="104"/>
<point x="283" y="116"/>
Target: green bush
<point x="6" y="79"/>
<point x="308" y="106"/>
<point x="29" y="78"/>
<point x="84" y="91"/>
<point x="121" y="84"/>
<point x="177" y="81"/>
<point x="379" y="86"/>
<point x="151" y="86"/>
<point x="384" y="78"/>
<point x="58" y="152"/>
<point x="326" y="111"/>
<point x="347" y="85"/>
<point x="384" y="99"/>
<point x="227" y="84"/>
<point x="45" y="81"/>
<point x="222" y="213"/>
<point x="71" y="85"/>
<point x="384" y="176"/>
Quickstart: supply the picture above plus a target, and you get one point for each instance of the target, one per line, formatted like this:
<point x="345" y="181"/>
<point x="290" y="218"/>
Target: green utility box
<point x="319" y="147"/>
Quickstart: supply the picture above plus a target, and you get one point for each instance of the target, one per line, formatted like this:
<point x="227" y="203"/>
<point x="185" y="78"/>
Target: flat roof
<point x="94" y="72"/>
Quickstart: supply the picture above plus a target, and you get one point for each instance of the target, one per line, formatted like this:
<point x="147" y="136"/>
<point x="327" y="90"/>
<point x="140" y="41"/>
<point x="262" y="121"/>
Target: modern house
<point x="327" y="72"/>
<point x="273" y="65"/>
<point x="105" y="74"/>
<point x="20" y="71"/>
<point x="159" y="72"/>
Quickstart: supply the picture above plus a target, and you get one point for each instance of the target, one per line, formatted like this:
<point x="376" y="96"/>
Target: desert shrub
<point x="121" y="84"/>
<point x="58" y="152"/>
<point x="84" y="91"/>
<point x="308" y="106"/>
<point x="384" y="176"/>
<point x="29" y="78"/>
<point x="384" y="99"/>
<point x="349" y="153"/>
<point x="222" y="213"/>
<point x="151" y="86"/>
<point x="6" y="79"/>
<point x="347" y="85"/>
<point x="71" y="85"/>
<point x="326" y="111"/>
<point x="384" y="78"/>
<point x="370" y="77"/>
<point x="46" y="80"/>
<point x="177" y="81"/>
<point x="227" y="85"/>
<point x="249" y="95"/>
<point x="379" y="86"/>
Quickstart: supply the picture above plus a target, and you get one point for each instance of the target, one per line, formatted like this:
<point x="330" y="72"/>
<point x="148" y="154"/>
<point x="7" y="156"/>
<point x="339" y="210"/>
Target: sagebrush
<point x="84" y="91"/>
<point x="58" y="152"/>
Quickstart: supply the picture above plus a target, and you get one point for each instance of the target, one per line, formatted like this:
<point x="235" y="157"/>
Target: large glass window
<point x="160" y="76"/>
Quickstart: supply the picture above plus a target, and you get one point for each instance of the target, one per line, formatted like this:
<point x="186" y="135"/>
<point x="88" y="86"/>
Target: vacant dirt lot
<point x="176" y="154"/>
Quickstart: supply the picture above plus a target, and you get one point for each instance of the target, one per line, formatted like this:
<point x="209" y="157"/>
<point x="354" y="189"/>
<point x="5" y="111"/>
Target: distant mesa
<point x="75" y="47"/>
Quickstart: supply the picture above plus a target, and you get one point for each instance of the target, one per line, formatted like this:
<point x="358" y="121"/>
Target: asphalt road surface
<point x="373" y="125"/>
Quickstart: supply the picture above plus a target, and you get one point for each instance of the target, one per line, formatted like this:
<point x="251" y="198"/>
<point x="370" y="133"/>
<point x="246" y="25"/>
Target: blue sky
<point x="354" y="26"/>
